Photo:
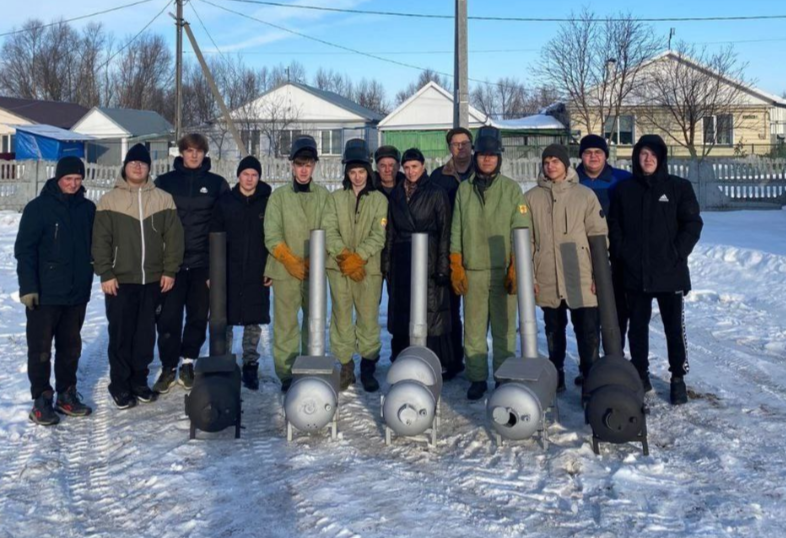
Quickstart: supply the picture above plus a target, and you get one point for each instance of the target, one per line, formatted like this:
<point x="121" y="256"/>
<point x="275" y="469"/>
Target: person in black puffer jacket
<point x="654" y="224"/>
<point x="55" y="276"/>
<point x="417" y="205"/>
<point x="240" y="213"/>
<point x="195" y="191"/>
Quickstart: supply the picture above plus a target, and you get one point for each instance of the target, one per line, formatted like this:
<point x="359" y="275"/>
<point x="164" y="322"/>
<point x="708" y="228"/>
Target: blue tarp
<point x="48" y="143"/>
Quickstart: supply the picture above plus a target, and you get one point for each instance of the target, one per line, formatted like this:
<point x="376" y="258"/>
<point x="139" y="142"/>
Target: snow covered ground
<point x="717" y="465"/>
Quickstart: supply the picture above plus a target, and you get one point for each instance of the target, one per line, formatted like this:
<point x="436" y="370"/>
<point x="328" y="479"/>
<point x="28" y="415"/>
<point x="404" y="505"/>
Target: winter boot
<point x="123" y="400"/>
<point x="367" y="368"/>
<point x="143" y="394"/>
<point x="70" y="403"/>
<point x="186" y="375"/>
<point x="251" y="375"/>
<point x="476" y="390"/>
<point x="166" y="379"/>
<point x="42" y="412"/>
<point x="560" y="380"/>
<point x="679" y="392"/>
<point x="347" y="374"/>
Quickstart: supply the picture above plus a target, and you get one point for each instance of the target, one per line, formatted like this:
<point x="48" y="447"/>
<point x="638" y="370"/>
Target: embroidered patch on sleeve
<point x="523" y="209"/>
<point x="384" y="222"/>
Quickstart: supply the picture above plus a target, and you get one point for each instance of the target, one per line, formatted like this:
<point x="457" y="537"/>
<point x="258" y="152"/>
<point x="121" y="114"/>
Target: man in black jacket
<point x="654" y="224"/>
<point x="240" y="213"/>
<point x="195" y="191"/>
<point x="55" y="276"/>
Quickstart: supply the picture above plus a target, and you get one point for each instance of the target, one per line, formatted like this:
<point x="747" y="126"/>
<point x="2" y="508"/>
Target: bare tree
<point x="594" y="64"/>
<point x="371" y="94"/>
<point x="144" y="73"/>
<point x="332" y="81"/>
<point x="680" y="91"/>
<point x="504" y="99"/>
<point x="426" y="76"/>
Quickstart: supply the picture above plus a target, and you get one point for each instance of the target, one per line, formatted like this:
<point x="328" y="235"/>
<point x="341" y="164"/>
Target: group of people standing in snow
<point x="148" y="242"/>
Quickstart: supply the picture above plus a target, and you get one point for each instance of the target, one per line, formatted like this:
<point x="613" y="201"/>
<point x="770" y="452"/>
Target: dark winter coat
<point x="605" y="184"/>
<point x="377" y="183"/>
<point x="195" y="193"/>
<point x="53" y="247"/>
<point x="427" y="212"/>
<point x="654" y="223"/>
<point x="243" y="220"/>
<point x="448" y="178"/>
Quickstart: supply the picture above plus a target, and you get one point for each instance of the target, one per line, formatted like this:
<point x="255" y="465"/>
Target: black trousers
<point x="620" y="299"/>
<point x="192" y="294"/>
<point x="63" y="324"/>
<point x="672" y="313"/>
<point x="586" y="326"/>
<point x="456" y="332"/>
<point x="132" y="334"/>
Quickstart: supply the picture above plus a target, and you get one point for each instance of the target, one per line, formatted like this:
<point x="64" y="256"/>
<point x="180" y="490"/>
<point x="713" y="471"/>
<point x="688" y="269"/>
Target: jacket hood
<point x="52" y="189"/>
<point x="546" y="183"/>
<point x="262" y="190"/>
<point x="347" y="184"/>
<point x="656" y="144"/>
<point x="181" y="167"/>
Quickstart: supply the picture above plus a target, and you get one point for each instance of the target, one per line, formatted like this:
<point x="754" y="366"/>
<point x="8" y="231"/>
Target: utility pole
<point x="224" y="110"/>
<point x="179" y="72"/>
<point x="461" y="69"/>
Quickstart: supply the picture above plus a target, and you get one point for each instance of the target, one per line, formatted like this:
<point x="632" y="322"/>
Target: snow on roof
<point x="537" y="121"/>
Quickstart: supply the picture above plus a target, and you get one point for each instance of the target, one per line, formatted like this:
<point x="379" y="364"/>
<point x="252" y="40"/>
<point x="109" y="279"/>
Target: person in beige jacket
<point x="564" y="215"/>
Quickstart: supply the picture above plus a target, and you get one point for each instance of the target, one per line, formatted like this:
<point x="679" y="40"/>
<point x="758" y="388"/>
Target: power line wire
<point x="342" y="47"/>
<point x="507" y="19"/>
<point x="387" y="53"/>
<point x="202" y="23"/>
<point x="104" y="12"/>
<point x="130" y="41"/>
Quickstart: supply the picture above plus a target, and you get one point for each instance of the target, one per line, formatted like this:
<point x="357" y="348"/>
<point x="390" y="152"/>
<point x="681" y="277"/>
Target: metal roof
<point x="59" y="114"/>
<point x="138" y="122"/>
<point x="340" y="101"/>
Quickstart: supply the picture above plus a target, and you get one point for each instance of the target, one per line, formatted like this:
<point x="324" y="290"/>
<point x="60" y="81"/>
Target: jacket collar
<point x="262" y="190"/>
<point x="197" y="172"/>
<point x="123" y="185"/>
<point x="607" y="174"/>
<point x="52" y="189"/>
<point x="450" y="169"/>
<point x="571" y="181"/>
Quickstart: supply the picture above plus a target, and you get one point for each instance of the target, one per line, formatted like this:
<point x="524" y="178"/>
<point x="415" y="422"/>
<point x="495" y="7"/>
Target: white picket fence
<point x="720" y="183"/>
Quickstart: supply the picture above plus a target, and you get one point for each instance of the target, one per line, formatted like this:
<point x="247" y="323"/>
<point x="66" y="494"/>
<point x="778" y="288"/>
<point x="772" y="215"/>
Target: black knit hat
<point x="249" y="162"/>
<point x="69" y="165"/>
<point x="413" y="154"/>
<point x="593" y="141"/>
<point x="559" y="151"/>
<point x="137" y="153"/>
<point x="384" y="152"/>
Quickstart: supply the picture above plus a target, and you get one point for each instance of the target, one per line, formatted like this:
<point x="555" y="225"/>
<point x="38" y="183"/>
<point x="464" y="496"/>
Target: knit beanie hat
<point x="137" y="153"/>
<point x="593" y="141"/>
<point x="559" y="151"/>
<point x="69" y="165"/>
<point x="249" y="162"/>
<point x="413" y="154"/>
<point x="385" y="152"/>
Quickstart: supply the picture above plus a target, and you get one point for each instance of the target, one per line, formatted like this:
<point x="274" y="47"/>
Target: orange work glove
<point x="351" y="264"/>
<point x="510" y="278"/>
<point x="458" y="277"/>
<point x="297" y="267"/>
<point x="343" y="256"/>
<point x="358" y="275"/>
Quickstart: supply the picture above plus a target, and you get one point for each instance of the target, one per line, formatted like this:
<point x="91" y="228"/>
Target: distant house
<point x="269" y="123"/>
<point x="422" y="121"/>
<point x="117" y="129"/>
<point x="15" y="111"/>
<point x="756" y="125"/>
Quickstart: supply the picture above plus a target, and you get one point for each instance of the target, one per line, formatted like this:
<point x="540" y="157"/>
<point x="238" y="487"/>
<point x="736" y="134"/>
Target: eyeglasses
<point x="459" y="145"/>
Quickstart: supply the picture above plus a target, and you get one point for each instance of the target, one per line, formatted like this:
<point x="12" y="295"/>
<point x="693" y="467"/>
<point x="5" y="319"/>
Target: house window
<point x="331" y="142"/>
<point x="718" y="130"/>
<point x="285" y="139"/>
<point x="250" y="138"/>
<point x="7" y="143"/>
<point x="623" y="131"/>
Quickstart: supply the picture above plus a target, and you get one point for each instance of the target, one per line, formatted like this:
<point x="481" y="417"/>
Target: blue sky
<point x="761" y="44"/>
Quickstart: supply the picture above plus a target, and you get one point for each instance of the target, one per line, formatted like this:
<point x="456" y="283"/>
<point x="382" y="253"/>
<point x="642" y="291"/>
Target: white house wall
<point x="95" y="123"/>
<point x="7" y="120"/>
<point x="430" y="110"/>
<point x="304" y="106"/>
